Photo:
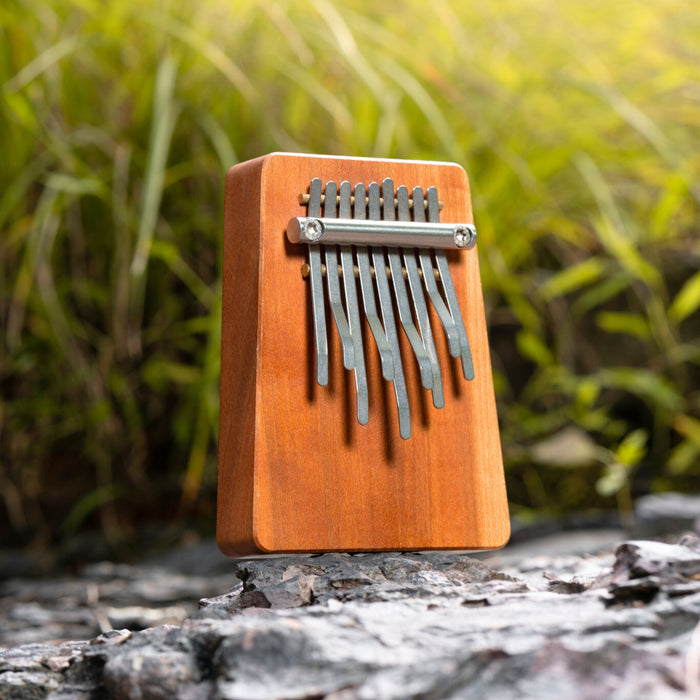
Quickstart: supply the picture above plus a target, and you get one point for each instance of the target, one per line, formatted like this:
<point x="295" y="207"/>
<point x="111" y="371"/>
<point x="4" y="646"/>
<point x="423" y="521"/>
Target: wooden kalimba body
<point x="357" y="403"/>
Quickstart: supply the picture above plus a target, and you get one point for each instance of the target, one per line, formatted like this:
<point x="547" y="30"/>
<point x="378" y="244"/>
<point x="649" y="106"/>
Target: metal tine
<point x="450" y="294"/>
<point x="316" y="276"/>
<point x="387" y="307"/>
<point x="333" y="282"/>
<point x="419" y="305"/>
<point x="402" y="303"/>
<point x="426" y="263"/>
<point x="353" y="310"/>
<point x="367" y="288"/>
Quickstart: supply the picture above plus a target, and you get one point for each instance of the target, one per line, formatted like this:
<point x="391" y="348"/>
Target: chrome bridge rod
<point x="409" y="234"/>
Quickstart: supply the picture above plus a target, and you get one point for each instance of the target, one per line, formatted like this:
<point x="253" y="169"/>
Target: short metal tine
<point x="316" y="278"/>
<point x="367" y="287"/>
<point x="333" y="282"/>
<point x="416" y="286"/>
<point x="344" y="204"/>
<point x="353" y="310"/>
<point x="401" y="293"/>
<point x="387" y="306"/>
<point x="450" y="293"/>
<point x="426" y="264"/>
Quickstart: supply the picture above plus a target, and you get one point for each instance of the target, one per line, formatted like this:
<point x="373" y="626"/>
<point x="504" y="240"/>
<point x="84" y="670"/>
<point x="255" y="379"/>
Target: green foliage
<point x="577" y="122"/>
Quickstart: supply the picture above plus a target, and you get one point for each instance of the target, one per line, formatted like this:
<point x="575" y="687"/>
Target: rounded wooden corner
<point x="236" y="550"/>
<point x="263" y="546"/>
<point x="503" y="537"/>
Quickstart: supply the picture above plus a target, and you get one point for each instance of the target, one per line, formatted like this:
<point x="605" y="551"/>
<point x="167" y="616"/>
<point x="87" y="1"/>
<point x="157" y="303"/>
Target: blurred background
<point x="578" y="124"/>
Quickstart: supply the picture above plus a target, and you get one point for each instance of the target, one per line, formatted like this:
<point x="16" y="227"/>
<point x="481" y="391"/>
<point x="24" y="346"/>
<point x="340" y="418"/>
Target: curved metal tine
<point x="353" y="309"/>
<point x="333" y="282"/>
<point x="405" y="315"/>
<point x="367" y="288"/>
<point x="450" y="294"/>
<point x="426" y="264"/>
<point x="416" y="286"/>
<point x="316" y="276"/>
<point x="387" y="306"/>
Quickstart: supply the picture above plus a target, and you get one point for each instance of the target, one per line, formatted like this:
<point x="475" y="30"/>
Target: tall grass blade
<point x="165" y="112"/>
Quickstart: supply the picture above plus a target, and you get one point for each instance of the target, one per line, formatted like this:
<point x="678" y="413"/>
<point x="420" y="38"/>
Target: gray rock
<point x="102" y="597"/>
<point x="666" y="513"/>
<point x="432" y="625"/>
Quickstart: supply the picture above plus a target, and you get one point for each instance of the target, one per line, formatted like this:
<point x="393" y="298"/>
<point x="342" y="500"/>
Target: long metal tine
<point x="450" y="294"/>
<point x="419" y="305"/>
<point x="426" y="263"/>
<point x="316" y="276"/>
<point x="353" y="310"/>
<point x="402" y="303"/>
<point x="387" y="307"/>
<point x="333" y="282"/>
<point x="367" y="288"/>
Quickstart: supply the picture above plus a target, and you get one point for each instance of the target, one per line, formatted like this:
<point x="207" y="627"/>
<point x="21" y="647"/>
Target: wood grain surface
<point x="297" y="472"/>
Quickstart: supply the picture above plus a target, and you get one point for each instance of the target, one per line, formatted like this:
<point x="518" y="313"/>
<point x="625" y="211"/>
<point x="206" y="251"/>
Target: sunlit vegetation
<point x="578" y="124"/>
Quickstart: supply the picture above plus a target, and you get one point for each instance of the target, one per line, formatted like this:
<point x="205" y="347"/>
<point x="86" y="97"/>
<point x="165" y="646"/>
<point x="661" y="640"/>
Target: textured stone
<point x="403" y="625"/>
<point x="666" y="513"/>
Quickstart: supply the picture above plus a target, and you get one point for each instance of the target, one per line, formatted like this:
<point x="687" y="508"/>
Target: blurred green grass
<point x="578" y="124"/>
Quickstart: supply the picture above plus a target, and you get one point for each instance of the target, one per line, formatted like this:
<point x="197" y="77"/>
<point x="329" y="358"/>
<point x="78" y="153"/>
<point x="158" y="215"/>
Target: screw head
<point x="465" y="236"/>
<point x="313" y="229"/>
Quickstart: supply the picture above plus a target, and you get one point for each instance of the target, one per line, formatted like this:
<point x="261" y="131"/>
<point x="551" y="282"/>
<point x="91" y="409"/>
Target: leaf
<point x="602" y="292"/>
<point x="687" y="301"/>
<point x="684" y="457"/>
<point x="63" y="182"/>
<point x="644" y="383"/>
<point x="688" y="427"/>
<point x="633" y="448"/>
<point x="162" y="126"/>
<point x="90" y="502"/>
<point x="573" y="278"/>
<point x="45" y="60"/>
<point x="169" y="254"/>
<point x="625" y="323"/>
<point x="533" y="348"/>
<point x="614" y="478"/>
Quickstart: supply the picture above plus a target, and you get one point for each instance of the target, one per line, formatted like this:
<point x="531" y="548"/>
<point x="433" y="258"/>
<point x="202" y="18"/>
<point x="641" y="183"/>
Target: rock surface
<point x="663" y="513"/>
<point x="431" y="625"/>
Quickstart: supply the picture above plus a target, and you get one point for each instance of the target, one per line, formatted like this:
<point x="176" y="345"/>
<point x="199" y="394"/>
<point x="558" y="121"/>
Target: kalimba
<point x="357" y="402"/>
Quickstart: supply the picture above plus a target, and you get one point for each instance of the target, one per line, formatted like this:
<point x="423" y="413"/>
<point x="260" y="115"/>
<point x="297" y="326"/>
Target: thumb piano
<point x="357" y="402"/>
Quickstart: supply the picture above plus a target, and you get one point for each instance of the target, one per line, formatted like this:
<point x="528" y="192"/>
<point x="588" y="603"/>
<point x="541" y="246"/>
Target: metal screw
<point x="465" y="236"/>
<point x="313" y="229"/>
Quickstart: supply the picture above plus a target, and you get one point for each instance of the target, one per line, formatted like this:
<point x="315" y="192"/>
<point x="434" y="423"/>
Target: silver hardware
<point x="317" y="304"/>
<point x="387" y="306"/>
<point x="366" y="286"/>
<point x="353" y="312"/>
<point x="412" y="234"/>
<point x="450" y="294"/>
<point x="333" y="283"/>
<point x="419" y="305"/>
<point x="314" y="229"/>
<point x="402" y="302"/>
<point x="352" y="220"/>
<point x="465" y="236"/>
